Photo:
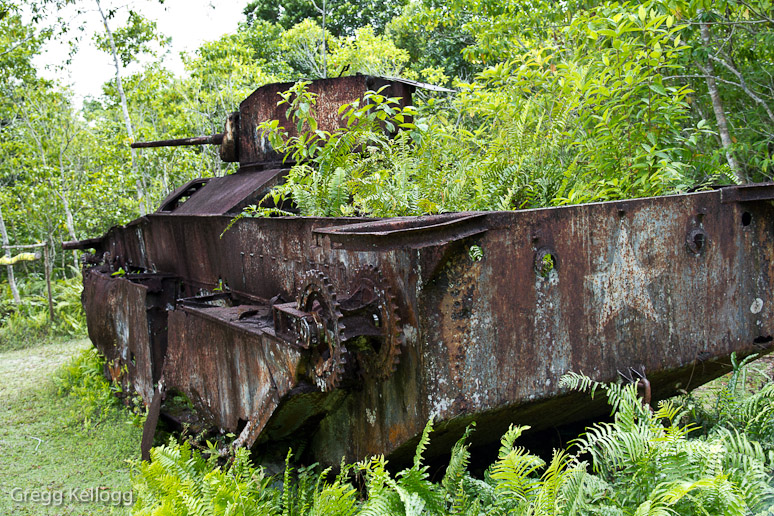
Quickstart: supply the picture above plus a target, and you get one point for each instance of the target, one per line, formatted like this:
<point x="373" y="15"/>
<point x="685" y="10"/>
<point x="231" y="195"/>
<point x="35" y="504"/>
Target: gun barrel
<point x="213" y="139"/>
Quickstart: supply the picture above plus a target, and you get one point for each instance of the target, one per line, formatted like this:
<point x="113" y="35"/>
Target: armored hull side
<point x="357" y="331"/>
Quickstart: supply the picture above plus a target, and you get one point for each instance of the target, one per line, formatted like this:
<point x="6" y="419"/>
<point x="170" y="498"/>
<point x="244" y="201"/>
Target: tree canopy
<point x="343" y="17"/>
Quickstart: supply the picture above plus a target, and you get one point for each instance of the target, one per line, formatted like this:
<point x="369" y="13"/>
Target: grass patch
<point x="47" y="447"/>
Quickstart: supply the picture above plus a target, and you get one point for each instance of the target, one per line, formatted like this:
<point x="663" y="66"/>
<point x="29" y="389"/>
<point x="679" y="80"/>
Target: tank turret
<point x="242" y="143"/>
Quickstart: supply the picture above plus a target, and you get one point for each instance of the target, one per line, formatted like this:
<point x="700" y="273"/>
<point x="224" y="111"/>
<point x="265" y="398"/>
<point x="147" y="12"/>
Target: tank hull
<point x="477" y="315"/>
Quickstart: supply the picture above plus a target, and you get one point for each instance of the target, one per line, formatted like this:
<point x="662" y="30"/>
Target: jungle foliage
<point x="556" y="103"/>
<point x="644" y="462"/>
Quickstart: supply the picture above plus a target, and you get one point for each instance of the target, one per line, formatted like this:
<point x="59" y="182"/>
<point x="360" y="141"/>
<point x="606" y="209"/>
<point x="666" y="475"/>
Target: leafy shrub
<point x="27" y="323"/>
<point x="82" y="380"/>
<point x="583" y="113"/>
<point x="744" y="403"/>
<point x="646" y="464"/>
<point x="496" y="148"/>
<point x="179" y="480"/>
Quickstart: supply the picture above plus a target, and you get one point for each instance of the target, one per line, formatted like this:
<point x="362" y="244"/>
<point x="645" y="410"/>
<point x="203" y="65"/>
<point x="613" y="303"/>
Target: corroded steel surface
<point x="358" y="331"/>
<point x="243" y="141"/>
<point x="228" y="194"/>
<point x="127" y="320"/>
<point x="351" y="333"/>
<point x="261" y="105"/>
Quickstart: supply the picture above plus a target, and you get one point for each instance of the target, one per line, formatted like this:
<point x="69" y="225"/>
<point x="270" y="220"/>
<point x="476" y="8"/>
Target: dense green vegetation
<point x="642" y="463"/>
<point x="27" y="324"/>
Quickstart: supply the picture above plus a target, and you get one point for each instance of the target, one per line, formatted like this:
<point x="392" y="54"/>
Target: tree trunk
<point x="11" y="279"/>
<point x="70" y="225"/>
<point x="141" y="184"/>
<point x="717" y="107"/>
<point x="69" y="220"/>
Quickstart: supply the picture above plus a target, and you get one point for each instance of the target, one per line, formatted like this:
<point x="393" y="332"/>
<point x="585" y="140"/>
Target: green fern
<point x="180" y="481"/>
<point x="382" y="499"/>
<point x="646" y="463"/>
<point x="655" y="468"/>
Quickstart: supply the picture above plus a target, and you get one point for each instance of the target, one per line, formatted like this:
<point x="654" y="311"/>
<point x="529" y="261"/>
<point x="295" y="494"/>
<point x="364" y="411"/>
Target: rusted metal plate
<point x="240" y="379"/>
<point x="262" y="106"/>
<point x="221" y="195"/>
<point x="127" y="322"/>
<point x="674" y="284"/>
<point x="748" y="193"/>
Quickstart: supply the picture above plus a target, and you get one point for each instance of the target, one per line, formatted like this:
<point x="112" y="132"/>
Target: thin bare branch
<point x="759" y="14"/>
<point x="17" y="45"/>
<point x="729" y="22"/>
<point x="743" y="85"/>
<point x="705" y="77"/>
<point x="141" y="184"/>
<point x="717" y="106"/>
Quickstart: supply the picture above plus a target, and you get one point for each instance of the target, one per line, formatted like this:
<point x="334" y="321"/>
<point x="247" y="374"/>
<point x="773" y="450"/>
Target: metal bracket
<point x="747" y="193"/>
<point x="295" y="325"/>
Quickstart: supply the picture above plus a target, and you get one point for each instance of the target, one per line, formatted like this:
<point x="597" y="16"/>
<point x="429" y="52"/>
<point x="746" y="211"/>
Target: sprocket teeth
<point x="319" y="287"/>
<point x="384" y="363"/>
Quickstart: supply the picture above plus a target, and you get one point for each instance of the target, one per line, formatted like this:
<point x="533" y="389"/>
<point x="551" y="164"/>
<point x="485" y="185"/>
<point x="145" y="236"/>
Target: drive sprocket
<point x="370" y="299"/>
<point x="329" y="356"/>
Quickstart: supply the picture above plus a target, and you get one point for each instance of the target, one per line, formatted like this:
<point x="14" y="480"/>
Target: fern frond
<point x="287" y="486"/>
<point x="512" y="474"/>
<point x="579" y="382"/>
<point x="509" y="437"/>
<point x="456" y="470"/>
<point x="548" y="499"/>
<point x="422" y="444"/>
<point x="334" y="500"/>
<point x="575" y="492"/>
<point x="416" y="483"/>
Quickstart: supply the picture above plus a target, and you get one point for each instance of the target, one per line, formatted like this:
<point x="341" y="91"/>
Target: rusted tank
<point x="353" y="332"/>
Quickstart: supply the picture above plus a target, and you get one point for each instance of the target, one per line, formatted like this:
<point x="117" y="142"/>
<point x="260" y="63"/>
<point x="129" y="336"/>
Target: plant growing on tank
<point x="327" y="164"/>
